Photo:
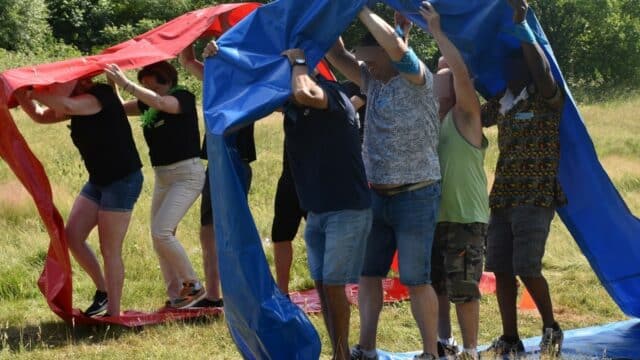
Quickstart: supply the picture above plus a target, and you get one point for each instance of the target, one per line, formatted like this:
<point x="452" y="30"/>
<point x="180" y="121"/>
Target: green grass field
<point x="29" y="330"/>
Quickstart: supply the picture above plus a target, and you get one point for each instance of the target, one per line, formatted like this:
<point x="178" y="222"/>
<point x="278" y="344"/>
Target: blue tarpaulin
<point x="249" y="79"/>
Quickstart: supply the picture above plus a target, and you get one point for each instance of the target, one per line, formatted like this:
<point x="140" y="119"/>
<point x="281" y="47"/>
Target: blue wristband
<point x="523" y="32"/>
<point x="409" y="64"/>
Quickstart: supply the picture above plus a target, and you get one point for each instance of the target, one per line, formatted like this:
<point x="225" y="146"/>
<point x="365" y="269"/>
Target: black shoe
<point x="551" y="341"/>
<point x="445" y="350"/>
<point x="206" y="303"/>
<point x="99" y="304"/>
<point x="504" y="346"/>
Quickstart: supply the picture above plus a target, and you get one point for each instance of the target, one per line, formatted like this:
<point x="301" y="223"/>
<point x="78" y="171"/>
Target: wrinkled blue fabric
<point x="249" y="79"/>
<point x="612" y="341"/>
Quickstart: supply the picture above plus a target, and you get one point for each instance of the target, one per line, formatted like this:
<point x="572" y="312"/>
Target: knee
<point x="160" y="235"/>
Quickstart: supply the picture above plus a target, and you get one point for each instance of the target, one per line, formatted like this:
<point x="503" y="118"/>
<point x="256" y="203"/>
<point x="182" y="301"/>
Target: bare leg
<point x="83" y="218"/>
<point x="112" y="228"/>
<point x="370" y="303"/>
<point x="210" y="262"/>
<point x="325" y="310"/>
<point x="283" y="257"/>
<point x="424" y="307"/>
<point x="539" y="290"/>
<point x="469" y="319"/>
<point x="444" y="317"/>
<point x="339" y="314"/>
<point x="507" y="292"/>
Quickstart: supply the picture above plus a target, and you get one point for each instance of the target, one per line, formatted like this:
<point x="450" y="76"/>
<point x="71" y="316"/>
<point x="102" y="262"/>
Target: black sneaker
<point x="358" y="354"/>
<point x="425" y="356"/>
<point x="99" y="304"/>
<point x="446" y="350"/>
<point x="503" y="346"/>
<point x="551" y="342"/>
<point x="206" y="303"/>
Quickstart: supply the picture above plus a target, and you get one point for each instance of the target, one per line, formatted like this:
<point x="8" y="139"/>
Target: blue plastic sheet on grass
<point x="619" y="341"/>
<point x="249" y="79"/>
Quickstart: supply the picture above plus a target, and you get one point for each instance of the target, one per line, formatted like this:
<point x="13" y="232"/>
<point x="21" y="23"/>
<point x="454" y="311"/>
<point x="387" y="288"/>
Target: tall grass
<point x="28" y="329"/>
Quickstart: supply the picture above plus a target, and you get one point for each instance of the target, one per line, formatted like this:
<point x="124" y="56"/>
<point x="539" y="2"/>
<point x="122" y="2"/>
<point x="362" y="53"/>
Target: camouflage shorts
<point x="456" y="260"/>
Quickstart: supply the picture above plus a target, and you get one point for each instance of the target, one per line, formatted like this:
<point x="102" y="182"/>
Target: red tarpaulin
<point x="161" y="43"/>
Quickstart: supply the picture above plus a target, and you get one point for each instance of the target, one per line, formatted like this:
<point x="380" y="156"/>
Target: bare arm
<point x="466" y="98"/>
<point x="187" y="58"/>
<point x="131" y="106"/>
<point x="395" y="47"/>
<point x="357" y="102"/>
<point x="81" y="105"/>
<point x="166" y="103"/>
<point x="36" y="112"/>
<point x="345" y="62"/>
<point x="536" y="60"/>
<point x="304" y="89"/>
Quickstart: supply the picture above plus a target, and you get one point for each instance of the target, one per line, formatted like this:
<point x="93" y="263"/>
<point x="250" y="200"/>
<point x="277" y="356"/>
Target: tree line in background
<point x="597" y="42"/>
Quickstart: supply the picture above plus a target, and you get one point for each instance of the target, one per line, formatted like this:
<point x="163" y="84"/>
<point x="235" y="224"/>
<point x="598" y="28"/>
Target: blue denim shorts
<point x="120" y="195"/>
<point x="336" y="242"/>
<point x="406" y="222"/>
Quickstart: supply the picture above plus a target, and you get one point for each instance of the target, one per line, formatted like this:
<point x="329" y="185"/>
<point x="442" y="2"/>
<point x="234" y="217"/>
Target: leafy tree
<point x="23" y="24"/>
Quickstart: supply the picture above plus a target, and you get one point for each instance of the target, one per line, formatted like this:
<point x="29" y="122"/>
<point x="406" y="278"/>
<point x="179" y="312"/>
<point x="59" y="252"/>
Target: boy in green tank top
<point x="457" y="255"/>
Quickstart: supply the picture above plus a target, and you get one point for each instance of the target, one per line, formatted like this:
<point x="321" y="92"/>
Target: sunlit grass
<point x="29" y="330"/>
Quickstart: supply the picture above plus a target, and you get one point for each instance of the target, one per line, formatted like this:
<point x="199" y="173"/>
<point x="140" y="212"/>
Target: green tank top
<point x="464" y="182"/>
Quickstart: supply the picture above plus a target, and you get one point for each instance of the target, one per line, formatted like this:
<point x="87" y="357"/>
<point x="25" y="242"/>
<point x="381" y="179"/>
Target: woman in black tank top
<point x="115" y="180"/>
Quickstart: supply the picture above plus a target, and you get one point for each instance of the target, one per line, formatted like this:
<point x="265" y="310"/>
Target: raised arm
<point x="466" y="98"/>
<point x="36" y="112"/>
<point x="81" y="105"/>
<point x="534" y="56"/>
<point x="399" y="52"/>
<point x="166" y="103"/>
<point x="187" y="58"/>
<point x="305" y="90"/>
<point x="345" y="62"/>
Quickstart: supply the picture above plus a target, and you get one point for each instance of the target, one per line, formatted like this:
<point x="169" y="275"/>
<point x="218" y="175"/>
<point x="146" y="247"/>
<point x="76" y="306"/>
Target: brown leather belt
<point x="403" y="188"/>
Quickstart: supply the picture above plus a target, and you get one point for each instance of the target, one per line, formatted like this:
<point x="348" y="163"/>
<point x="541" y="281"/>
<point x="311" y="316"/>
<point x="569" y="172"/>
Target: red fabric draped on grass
<point x="161" y="43"/>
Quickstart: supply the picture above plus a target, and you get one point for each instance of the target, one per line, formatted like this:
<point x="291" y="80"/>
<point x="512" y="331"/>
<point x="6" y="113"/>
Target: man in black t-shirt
<point x="324" y="151"/>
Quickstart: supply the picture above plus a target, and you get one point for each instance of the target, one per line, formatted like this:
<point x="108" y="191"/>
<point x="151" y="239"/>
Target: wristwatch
<point x="299" y="61"/>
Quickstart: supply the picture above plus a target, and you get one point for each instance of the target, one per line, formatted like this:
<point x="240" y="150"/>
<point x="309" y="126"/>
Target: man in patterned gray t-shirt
<point x="401" y="161"/>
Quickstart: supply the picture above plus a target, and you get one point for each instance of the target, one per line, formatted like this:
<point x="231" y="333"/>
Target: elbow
<point x="303" y="96"/>
<point x="306" y="97"/>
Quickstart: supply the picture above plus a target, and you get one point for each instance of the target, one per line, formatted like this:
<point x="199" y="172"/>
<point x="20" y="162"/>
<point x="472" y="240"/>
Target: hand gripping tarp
<point x="158" y="44"/>
<point x="249" y="80"/>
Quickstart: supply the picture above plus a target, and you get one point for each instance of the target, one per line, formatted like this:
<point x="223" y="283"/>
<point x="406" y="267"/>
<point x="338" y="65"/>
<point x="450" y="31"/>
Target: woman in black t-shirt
<point x="170" y="126"/>
<point x="101" y="132"/>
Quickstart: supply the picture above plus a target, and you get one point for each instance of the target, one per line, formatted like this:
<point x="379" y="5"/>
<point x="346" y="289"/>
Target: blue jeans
<point x="119" y="196"/>
<point x="336" y="242"/>
<point x="406" y="222"/>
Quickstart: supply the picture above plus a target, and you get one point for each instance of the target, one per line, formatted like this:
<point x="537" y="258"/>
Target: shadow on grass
<point x="58" y="334"/>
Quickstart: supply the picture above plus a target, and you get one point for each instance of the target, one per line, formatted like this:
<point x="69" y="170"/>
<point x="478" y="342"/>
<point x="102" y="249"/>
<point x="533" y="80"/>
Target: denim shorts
<point x="119" y="196"/>
<point x="406" y="222"/>
<point x="336" y="242"/>
<point x="517" y="238"/>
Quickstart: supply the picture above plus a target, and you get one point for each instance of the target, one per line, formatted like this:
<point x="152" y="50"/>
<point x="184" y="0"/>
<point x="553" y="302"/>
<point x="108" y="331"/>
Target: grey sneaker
<point x="358" y="354"/>
<point x="551" y="342"/>
<point x="191" y="293"/>
<point x="502" y="346"/>
<point x="446" y="350"/>
<point x="466" y="356"/>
